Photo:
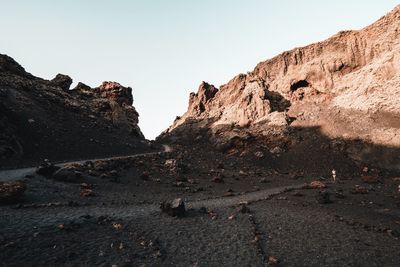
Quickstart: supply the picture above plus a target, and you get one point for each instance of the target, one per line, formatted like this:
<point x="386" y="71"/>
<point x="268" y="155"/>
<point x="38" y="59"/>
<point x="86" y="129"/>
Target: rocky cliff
<point x="347" y="87"/>
<point x="46" y="119"/>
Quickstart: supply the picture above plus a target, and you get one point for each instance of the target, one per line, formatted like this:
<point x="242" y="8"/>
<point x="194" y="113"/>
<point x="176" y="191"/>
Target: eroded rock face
<point x="346" y="86"/>
<point x="45" y="119"/>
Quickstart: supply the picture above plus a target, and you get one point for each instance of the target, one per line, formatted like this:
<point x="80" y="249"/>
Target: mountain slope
<point x="44" y="119"/>
<point x="346" y="86"/>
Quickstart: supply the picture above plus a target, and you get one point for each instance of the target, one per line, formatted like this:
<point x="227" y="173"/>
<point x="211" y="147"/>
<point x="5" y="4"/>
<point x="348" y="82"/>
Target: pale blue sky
<point x="164" y="49"/>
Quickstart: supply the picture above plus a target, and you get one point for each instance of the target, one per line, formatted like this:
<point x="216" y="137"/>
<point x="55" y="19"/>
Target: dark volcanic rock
<point x="11" y="191"/>
<point x="44" y="119"/>
<point x="47" y="169"/>
<point x="62" y="81"/>
<point x="176" y="208"/>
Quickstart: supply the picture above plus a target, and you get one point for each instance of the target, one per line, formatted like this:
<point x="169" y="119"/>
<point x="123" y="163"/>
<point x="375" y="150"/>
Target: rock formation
<point x="346" y="86"/>
<point x="45" y="119"/>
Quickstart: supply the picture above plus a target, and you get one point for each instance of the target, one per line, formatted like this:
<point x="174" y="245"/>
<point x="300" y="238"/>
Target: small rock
<point x="264" y="180"/>
<point x="317" y="185"/>
<point x="272" y="261"/>
<point x="243" y="209"/>
<point x="276" y="150"/>
<point x="176" y="208"/>
<point x="339" y="194"/>
<point x="117" y="226"/>
<point x="87" y="192"/>
<point x="259" y="154"/>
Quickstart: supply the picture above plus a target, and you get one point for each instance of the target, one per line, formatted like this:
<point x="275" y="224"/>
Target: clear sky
<point x="164" y="49"/>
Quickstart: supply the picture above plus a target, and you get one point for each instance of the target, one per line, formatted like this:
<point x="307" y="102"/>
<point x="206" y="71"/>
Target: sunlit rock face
<point x="347" y="86"/>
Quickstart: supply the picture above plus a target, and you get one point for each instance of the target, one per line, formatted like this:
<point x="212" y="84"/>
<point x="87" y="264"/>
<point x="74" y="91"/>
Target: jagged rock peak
<point x="62" y="81"/>
<point x="116" y="92"/>
<point x="9" y="65"/>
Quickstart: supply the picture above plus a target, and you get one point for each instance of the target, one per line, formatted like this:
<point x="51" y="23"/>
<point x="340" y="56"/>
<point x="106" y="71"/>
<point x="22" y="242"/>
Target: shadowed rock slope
<point x="45" y="119"/>
<point x="346" y="86"/>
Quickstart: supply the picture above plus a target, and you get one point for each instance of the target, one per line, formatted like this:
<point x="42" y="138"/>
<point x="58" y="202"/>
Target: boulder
<point x="62" y="81"/>
<point x="47" y="169"/>
<point x="316" y="185"/>
<point x="176" y="208"/>
<point x="11" y="191"/>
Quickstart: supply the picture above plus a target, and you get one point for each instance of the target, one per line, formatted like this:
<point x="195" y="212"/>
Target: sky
<point x="164" y="49"/>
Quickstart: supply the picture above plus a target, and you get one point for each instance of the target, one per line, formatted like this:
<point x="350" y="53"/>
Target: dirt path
<point x="45" y="216"/>
<point x="13" y="174"/>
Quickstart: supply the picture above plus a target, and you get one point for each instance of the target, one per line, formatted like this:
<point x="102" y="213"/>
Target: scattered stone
<point x="276" y="150"/>
<point x="243" y="209"/>
<point x="87" y="192"/>
<point x="323" y="197"/>
<point x="170" y="163"/>
<point x="212" y="214"/>
<point x="272" y="261"/>
<point x="264" y="180"/>
<point x="339" y="194"/>
<point x="117" y="226"/>
<point x="176" y="208"/>
<point x="259" y="154"/>
<point x="11" y="191"/>
<point x="317" y="185"/>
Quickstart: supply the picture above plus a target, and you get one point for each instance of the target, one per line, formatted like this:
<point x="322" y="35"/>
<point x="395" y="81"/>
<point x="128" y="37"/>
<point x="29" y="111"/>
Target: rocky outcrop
<point x="347" y="86"/>
<point x="45" y="119"/>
